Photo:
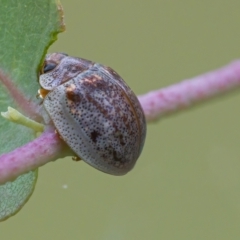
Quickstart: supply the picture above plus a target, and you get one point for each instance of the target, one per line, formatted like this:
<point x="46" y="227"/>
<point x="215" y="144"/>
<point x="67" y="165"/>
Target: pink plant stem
<point x="28" y="108"/>
<point x="49" y="147"/>
<point x="185" y="94"/>
<point x="46" y="148"/>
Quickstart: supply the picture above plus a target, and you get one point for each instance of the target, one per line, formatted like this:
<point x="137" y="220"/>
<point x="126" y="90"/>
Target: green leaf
<point x="27" y="28"/>
<point x="15" y="194"/>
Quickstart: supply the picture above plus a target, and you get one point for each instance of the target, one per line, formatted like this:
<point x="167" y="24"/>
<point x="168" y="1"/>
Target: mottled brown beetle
<point x="94" y="111"/>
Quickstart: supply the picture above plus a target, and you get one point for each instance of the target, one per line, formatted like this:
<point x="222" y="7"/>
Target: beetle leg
<point x="76" y="159"/>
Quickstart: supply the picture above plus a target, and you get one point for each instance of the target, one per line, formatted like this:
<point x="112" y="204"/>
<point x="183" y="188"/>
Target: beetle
<point x="94" y="111"/>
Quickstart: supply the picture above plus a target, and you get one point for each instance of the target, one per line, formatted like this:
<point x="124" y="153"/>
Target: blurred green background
<point x="186" y="184"/>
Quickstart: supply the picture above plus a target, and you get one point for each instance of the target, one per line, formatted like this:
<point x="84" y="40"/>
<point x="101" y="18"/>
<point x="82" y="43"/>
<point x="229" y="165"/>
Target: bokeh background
<point x="186" y="184"/>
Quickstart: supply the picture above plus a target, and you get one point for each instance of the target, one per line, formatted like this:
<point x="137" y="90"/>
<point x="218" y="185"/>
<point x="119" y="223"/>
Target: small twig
<point x="49" y="146"/>
<point x="187" y="93"/>
<point x="14" y="116"/>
